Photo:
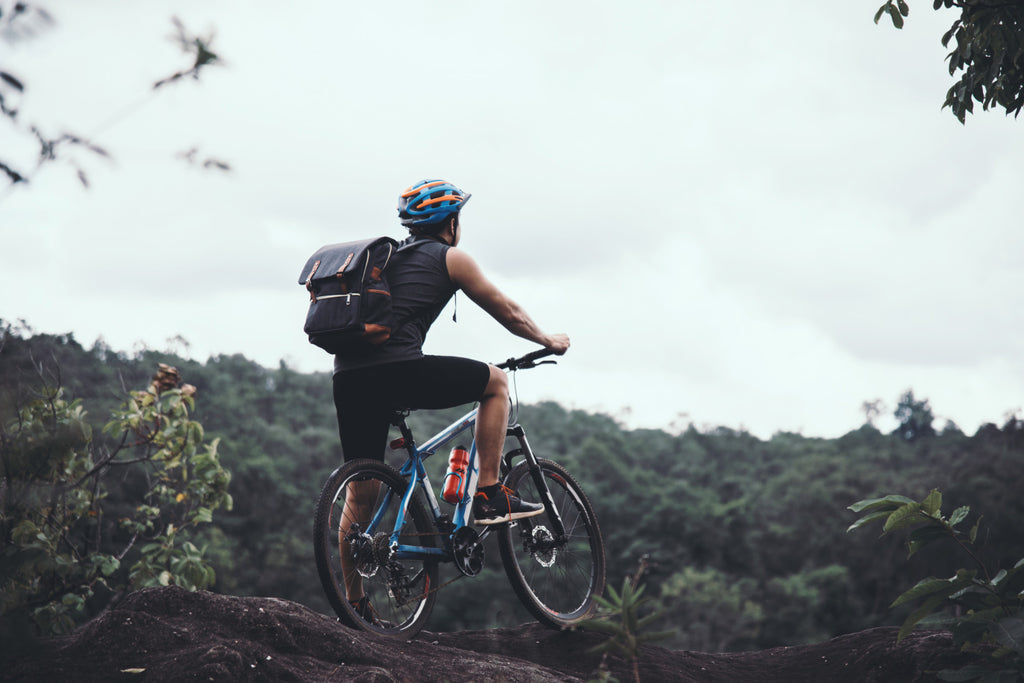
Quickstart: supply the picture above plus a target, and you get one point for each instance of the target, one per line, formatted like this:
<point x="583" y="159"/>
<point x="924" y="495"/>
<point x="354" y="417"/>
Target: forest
<point x="744" y="539"/>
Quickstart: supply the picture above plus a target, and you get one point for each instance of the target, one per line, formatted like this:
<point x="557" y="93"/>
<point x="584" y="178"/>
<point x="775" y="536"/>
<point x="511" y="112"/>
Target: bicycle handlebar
<point x="528" y="361"/>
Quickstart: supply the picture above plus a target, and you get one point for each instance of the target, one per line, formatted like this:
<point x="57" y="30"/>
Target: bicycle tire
<point x="557" y="585"/>
<point x="401" y="593"/>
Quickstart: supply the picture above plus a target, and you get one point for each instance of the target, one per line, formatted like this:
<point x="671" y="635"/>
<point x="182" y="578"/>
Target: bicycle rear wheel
<point x="556" y="579"/>
<point x="355" y="517"/>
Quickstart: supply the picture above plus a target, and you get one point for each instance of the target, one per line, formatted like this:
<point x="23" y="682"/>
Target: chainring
<point x="467" y="551"/>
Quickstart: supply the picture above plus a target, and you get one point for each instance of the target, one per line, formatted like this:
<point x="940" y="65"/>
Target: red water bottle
<point x="456" y="479"/>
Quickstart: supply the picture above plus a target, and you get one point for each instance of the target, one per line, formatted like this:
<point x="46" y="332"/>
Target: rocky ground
<point x="169" y="634"/>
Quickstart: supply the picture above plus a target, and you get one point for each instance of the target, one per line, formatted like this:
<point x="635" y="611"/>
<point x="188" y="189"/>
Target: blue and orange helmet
<point x="429" y="202"/>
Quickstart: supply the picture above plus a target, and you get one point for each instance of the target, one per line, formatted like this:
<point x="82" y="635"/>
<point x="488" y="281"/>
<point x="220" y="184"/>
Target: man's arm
<point x="466" y="274"/>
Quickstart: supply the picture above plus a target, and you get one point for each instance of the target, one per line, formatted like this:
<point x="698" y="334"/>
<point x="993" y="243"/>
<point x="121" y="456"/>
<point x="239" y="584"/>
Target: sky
<point x="751" y="215"/>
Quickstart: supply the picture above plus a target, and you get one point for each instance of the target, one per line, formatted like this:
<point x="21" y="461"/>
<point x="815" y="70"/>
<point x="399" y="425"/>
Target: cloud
<point x="747" y="215"/>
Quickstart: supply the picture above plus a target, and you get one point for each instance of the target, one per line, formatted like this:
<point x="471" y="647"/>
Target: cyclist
<point x="370" y="385"/>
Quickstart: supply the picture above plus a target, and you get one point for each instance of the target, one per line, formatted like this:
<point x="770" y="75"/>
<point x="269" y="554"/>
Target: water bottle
<point x="457" y="477"/>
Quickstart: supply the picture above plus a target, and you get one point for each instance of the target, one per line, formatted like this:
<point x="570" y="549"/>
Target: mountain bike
<point x="382" y="530"/>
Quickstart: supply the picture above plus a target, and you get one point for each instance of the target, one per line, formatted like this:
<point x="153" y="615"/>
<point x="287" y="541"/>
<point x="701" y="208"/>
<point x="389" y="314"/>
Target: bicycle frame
<point x="414" y="470"/>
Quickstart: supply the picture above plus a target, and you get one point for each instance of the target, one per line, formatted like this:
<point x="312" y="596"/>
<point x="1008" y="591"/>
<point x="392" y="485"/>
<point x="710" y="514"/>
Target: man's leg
<point x="363" y="428"/>
<point x="494" y="504"/>
<point x="491" y="426"/>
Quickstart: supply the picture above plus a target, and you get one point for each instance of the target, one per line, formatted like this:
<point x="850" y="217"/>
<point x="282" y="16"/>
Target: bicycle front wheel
<point x="368" y="586"/>
<point x="556" y="579"/>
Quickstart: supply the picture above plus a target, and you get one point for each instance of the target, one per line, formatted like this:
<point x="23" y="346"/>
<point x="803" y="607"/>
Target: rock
<point x="170" y="634"/>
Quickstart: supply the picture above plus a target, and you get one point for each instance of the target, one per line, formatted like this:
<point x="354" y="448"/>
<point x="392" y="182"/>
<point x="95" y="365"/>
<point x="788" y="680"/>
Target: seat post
<point x="398" y="419"/>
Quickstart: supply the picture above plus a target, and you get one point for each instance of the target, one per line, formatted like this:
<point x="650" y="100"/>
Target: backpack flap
<point x="340" y="260"/>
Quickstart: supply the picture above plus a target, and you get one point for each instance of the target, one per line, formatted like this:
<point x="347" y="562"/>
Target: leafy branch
<point x="54" y="148"/>
<point x="989" y="51"/>
<point x="987" y="608"/>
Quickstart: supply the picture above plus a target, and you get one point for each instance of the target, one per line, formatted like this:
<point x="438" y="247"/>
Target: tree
<point x="915" y="418"/>
<point x="988" y="51"/>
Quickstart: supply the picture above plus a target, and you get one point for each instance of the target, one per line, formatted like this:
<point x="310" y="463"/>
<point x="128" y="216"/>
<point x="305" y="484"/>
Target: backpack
<point x="349" y="296"/>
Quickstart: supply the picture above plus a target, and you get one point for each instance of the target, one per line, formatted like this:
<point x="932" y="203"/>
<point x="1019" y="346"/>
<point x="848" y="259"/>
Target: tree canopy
<point x="745" y="538"/>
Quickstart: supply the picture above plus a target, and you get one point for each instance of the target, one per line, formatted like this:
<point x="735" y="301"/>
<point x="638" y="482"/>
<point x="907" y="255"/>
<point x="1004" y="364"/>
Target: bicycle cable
<point x="514" y="399"/>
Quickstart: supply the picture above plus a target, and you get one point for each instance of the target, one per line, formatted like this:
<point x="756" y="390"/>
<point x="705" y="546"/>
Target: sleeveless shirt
<point x="420" y="289"/>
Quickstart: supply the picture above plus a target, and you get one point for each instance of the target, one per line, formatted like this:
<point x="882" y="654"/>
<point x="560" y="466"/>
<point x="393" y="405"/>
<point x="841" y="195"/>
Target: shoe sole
<point x="507" y="518"/>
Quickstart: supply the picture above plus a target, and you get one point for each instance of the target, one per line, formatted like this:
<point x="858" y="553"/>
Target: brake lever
<point x="532" y="364"/>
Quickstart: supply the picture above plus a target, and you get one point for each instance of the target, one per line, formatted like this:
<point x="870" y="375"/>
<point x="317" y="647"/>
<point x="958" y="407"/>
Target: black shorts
<point x="367" y="398"/>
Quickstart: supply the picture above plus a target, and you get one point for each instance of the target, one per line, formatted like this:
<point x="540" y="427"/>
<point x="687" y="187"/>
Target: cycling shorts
<point x="366" y="398"/>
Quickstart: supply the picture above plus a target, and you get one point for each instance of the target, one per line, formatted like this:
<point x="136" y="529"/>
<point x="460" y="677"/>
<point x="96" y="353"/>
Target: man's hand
<point x="559" y="343"/>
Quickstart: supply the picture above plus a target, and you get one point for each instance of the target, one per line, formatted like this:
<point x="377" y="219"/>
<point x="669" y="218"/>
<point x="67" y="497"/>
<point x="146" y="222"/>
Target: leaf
<point x="903" y="7"/>
<point x="921" y="537"/>
<point x="601" y="625"/>
<point x="974" y="529"/>
<point x="925" y="587"/>
<point x="868" y="519"/>
<point x="1009" y="633"/>
<point x="891" y="502"/>
<point x="932" y="503"/>
<point x="12" y="81"/>
<point x="881" y="10"/>
<point x="959" y="515"/>
<point x="897" y="18"/>
<point x="905" y="516"/>
<point x="919" y="614"/>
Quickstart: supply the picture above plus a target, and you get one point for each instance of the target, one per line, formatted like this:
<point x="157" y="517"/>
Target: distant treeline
<point x="745" y="538"/>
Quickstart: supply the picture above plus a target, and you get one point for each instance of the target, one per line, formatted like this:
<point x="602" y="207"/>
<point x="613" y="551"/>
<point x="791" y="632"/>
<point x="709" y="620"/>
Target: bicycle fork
<point x="537" y="474"/>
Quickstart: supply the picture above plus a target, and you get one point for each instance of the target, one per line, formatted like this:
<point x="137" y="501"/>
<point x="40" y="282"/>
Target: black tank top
<point x="420" y="289"/>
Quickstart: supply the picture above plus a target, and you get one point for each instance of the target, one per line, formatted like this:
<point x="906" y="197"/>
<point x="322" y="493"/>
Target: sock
<point x="488" y="491"/>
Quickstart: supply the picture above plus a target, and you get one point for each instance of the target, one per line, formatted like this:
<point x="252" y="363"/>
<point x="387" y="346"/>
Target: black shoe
<point x="499" y="504"/>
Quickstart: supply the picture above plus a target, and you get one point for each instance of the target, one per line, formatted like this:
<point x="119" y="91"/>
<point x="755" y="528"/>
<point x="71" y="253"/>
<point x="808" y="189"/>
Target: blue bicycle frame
<point x="417" y="477"/>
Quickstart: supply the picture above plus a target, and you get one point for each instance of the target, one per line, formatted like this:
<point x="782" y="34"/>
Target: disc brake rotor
<point x="362" y="552"/>
<point x="542" y="547"/>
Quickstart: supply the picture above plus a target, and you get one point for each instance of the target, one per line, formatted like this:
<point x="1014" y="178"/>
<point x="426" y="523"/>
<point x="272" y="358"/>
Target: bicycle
<point x="384" y="528"/>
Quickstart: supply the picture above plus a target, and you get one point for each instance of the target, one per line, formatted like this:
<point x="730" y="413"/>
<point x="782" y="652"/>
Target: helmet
<point x="430" y="201"/>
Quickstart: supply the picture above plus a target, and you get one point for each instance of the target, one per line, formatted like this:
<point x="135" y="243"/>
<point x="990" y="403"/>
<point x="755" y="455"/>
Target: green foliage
<point x="721" y="610"/>
<point x="988" y="50"/>
<point x="988" y="608"/>
<point x="63" y="539"/>
<point x="620" y="618"/>
<point x="735" y="526"/>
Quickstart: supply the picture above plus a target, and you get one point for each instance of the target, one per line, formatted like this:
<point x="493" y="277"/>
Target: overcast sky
<point x="745" y="214"/>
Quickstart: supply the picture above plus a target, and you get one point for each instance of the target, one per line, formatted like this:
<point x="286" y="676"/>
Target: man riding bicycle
<point x="369" y="386"/>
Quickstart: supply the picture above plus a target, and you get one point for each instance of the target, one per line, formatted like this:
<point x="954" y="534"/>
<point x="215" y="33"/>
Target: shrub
<point x="62" y="538"/>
